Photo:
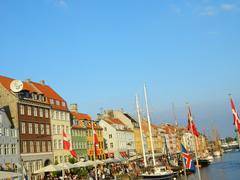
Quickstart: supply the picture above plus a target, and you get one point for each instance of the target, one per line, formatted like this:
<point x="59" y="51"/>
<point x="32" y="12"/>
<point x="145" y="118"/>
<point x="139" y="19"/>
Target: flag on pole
<point x="191" y="122"/>
<point x="67" y="145"/>
<point x="187" y="159"/>
<point x="236" y="120"/>
<point x="96" y="142"/>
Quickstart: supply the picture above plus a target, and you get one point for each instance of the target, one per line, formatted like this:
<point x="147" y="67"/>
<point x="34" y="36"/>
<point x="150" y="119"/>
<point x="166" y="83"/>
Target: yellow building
<point x="156" y="138"/>
<point x="100" y="148"/>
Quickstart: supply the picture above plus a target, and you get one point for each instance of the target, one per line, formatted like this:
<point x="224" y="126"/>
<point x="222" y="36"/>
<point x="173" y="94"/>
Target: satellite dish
<point x="16" y="86"/>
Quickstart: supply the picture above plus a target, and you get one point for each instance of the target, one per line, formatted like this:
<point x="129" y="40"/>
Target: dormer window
<point x="57" y="103"/>
<point x="63" y="104"/>
<point x="51" y="101"/>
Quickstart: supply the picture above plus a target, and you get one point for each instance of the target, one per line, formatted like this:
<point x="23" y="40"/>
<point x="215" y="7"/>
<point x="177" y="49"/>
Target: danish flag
<point x="187" y="159"/>
<point x="67" y="145"/>
<point x="191" y="122"/>
<point x="235" y="116"/>
<point x="96" y="142"/>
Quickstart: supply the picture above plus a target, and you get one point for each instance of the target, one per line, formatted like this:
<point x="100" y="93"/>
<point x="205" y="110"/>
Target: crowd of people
<point x="130" y="170"/>
<point x="109" y="171"/>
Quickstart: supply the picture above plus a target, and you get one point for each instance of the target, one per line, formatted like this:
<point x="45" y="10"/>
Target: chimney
<point x="74" y="107"/>
<point x="42" y="82"/>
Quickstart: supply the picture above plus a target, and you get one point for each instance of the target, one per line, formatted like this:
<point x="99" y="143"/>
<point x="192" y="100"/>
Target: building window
<point x="105" y="129"/>
<point x="6" y="131"/>
<point x="54" y="115"/>
<point x="61" y="159"/>
<point x="5" y="149"/>
<point x="47" y="129"/>
<point x="63" y="104"/>
<point x="22" y="109"/>
<point x="37" y="146"/>
<point x="49" y="146"/>
<point x="57" y="115"/>
<point x="9" y="149"/>
<point x="35" y="111"/>
<point x="41" y="128"/>
<point x="36" y="128"/>
<point x="67" y="116"/>
<point x="40" y="112"/>
<point x="60" y="144"/>
<point x="46" y="113"/>
<point x="57" y="103"/>
<point x="111" y="145"/>
<point x="30" y="129"/>
<point x="110" y="136"/>
<point x="58" y="129"/>
<point x="29" y="110"/>
<point x="23" y="127"/>
<point x="24" y="145"/>
<point x="51" y="101"/>
<point x="63" y="116"/>
<point x="14" y="150"/>
<point x="31" y="145"/>
<point x="43" y="146"/>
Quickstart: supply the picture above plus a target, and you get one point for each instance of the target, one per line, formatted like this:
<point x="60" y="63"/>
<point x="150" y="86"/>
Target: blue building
<point x="9" y="142"/>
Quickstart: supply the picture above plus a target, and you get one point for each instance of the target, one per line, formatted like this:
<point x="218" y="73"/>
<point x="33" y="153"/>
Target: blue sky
<point x="98" y="53"/>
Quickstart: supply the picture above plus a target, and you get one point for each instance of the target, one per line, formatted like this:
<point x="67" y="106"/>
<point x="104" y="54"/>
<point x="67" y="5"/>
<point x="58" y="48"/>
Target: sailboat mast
<point x="149" y="124"/>
<point x="140" y="125"/>
<point x="174" y="115"/>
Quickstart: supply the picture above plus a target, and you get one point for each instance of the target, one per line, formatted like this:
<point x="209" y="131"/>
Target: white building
<point x="119" y="139"/>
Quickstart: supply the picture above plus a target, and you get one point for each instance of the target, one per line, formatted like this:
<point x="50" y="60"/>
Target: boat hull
<point x="160" y="177"/>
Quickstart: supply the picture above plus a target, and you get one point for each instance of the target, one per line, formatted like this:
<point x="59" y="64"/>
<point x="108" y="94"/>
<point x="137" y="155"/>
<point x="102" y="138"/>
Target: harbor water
<point x="226" y="167"/>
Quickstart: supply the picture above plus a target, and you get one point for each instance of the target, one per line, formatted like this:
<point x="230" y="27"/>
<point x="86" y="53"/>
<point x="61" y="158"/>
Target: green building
<point x="79" y="132"/>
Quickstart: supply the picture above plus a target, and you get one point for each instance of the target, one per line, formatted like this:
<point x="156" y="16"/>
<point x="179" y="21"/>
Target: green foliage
<point x="72" y="160"/>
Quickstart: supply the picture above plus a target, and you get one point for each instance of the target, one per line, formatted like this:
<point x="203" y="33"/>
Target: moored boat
<point x="160" y="173"/>
<point x="216" y="153"/>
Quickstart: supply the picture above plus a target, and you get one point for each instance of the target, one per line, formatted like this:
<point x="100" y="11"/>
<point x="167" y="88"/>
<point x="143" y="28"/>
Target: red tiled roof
<point x="80" y="116"/>
<point x="6" y="81"/>
<point x="116" y="121"/>
<point x="40" y="89"/>
<point x="51" y="94"/>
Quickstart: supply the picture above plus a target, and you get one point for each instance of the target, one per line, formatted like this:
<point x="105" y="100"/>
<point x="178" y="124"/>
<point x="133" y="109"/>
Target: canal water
<point x="225" y="168"/>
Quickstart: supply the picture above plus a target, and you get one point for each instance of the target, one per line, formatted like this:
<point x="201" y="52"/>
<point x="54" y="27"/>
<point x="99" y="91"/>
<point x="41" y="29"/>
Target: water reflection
<point x="224" y="168"/>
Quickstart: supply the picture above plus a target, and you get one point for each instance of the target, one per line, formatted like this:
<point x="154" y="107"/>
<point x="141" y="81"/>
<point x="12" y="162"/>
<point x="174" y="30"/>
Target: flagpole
<point x="236" y="118"/>
<point x="94" y="153"/>
<point x="63" y="172"/>
<point x="184" y="166"/>
<point x="149" y="125"/>
<point x="140" y="125"/>
<point x="195" y="149"/>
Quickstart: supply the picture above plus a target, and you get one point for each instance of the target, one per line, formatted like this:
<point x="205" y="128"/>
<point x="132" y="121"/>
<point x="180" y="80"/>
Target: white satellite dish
<point x="16" y="86"/>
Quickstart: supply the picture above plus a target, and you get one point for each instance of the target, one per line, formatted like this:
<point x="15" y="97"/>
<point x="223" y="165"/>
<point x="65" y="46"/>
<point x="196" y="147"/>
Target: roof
<point x="46" y="90"/>
<point x="51" y="94"/>
<point x="6" y="81"/>
<point x="80" y="116"/>
<point x="116" y="121"/>
<point x="130" y="117"/>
